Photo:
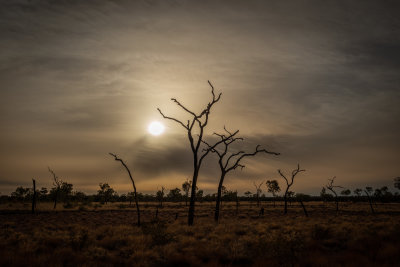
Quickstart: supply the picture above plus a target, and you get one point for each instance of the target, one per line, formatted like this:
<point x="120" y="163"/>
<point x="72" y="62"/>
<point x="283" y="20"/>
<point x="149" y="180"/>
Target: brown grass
<point x="106" y="235"/>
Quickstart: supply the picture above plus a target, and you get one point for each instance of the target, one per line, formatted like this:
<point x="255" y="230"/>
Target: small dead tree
<point x="195" y="127"/>
<point x="289" y="183"/>
<point x="34" y="196"/>
<point x="331" y="187"/>
<point x="57" y="184"/>
<point x="229" y="161"/>
<point x="258" y="192"/>
<point x="133" y="184"/>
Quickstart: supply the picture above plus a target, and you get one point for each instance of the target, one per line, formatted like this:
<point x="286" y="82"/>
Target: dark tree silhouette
<point x="133" y="184"/>
<point x="331" y="187"/>
<point x="57" y="186"/>
<point x="229" y="161"/>
<point x="273" y="188"/>
<point x="357" y="192"/>
<point x="105" y="192"/>
<point x="160" y="196"/>
<point x="258" y="192"/>
<point x="195" y="131"/>
<point x="289" y="183"/>
<point x="174" y="194"/>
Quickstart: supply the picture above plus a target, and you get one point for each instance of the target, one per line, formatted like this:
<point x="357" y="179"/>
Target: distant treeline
<point x="66" y="194"/>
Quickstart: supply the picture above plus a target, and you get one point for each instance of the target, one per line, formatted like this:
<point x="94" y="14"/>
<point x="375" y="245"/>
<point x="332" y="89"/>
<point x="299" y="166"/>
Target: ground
<point x="107" y="235"/>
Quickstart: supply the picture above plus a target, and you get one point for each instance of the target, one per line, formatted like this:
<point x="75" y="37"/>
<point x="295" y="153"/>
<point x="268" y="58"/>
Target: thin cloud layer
<point x="315" y="81"/>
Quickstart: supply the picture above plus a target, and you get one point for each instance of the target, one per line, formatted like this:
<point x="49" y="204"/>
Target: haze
<point x="317" y="81"/>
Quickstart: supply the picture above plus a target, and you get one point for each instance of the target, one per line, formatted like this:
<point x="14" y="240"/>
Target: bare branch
<point x="216" y="144"/>
<point x="176" y="120"/>
<point x="283" y="176"/>
<point x="183" y="107"/>
<point x="257" y="150"/>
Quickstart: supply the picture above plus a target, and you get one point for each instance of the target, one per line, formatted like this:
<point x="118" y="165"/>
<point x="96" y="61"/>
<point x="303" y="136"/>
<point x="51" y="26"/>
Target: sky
<point x="317" y="81"/>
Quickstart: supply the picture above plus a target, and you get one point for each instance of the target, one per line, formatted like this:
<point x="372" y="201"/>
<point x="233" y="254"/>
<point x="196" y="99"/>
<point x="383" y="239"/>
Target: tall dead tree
<point x="133" y="184"/>
<point x="195" y="131"/>
<point x="229" y="161"/>
<point x="57" y="183"/>
<point x="331" y="187"/>
<point x="289" y="183"/>
<point x="34" y="196"/>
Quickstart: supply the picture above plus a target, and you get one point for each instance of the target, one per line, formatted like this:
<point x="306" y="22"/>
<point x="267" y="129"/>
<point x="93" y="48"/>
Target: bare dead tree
<point x="331" y="187"/>
<point x="195" y="131"/>
<point x="289" y="183"/>
<point x="229" y="161"/>
<point x="258" y="192"/>
<point x="133" y="184"/>
<point x="34" y="196"/>
<point x="57" y="183"/>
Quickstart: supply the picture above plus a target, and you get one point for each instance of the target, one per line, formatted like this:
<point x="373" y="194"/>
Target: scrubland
<point x="107" y="235"/>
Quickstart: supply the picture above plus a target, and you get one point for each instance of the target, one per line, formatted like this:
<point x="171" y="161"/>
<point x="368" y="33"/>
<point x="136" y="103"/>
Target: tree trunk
<point x="137" y="208"/>
<point x="34" y="196"/>
<point x="193" y="195"/>
<point x="217" y="204"/>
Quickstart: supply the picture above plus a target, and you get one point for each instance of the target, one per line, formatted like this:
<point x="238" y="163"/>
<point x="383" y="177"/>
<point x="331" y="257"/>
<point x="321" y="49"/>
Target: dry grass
<point x="107" y="236"/>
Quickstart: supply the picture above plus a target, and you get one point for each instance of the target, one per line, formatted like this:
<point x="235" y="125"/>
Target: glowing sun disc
<point x="156" y="128"/>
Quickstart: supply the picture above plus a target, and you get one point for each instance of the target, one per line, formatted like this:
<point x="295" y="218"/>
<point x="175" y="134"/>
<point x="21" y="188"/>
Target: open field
<point x="106" y="235"/>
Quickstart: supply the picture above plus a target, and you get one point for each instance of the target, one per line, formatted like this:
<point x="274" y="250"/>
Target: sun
<point x="156" y="128"/>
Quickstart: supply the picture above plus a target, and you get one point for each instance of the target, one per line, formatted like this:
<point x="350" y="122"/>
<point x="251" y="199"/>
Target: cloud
<point x="315" y="81"/>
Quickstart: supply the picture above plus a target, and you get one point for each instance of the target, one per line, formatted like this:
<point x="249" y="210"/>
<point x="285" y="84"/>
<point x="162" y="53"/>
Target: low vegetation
<point x="97" y="234"/>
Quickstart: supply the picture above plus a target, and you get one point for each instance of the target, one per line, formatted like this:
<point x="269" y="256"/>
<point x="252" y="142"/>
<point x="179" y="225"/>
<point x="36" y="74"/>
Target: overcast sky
<point x="317" y="81"/>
